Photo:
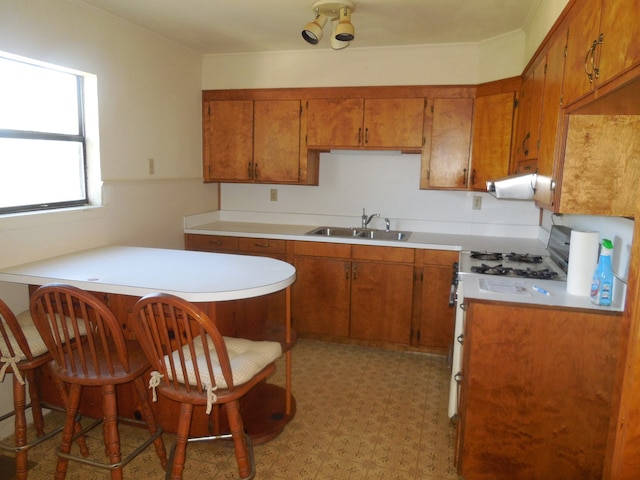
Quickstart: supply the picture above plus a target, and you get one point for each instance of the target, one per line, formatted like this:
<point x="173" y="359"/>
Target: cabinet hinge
<point x="432" y="108"/>
<point x="565" y="50"/>
<point x="545" y="68"/>
<point x="516" y="103"/>
<point x="561" y="99"/>
<point x="300" y="110"/>
<point x="209" y="110"/>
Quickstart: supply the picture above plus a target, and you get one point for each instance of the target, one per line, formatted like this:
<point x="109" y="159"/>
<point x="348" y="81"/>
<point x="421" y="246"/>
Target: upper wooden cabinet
<point x="445" y="157"/>
<point x="373" y="123"/>
<point x="601" y="171"/>
<point x="602" y="44"/>
<point x="550" y="134"/>
<point x="493" y="120"/>
<point x="527" y="139"/>
<point x="252" y="141"/>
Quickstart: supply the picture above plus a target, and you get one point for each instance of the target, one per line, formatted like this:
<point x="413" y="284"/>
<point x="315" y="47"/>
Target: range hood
<point x="513" y="187"/>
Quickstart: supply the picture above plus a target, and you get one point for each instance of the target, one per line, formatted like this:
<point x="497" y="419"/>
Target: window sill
<point x="16" y="221"/>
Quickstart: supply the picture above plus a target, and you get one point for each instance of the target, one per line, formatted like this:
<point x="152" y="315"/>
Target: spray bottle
<point x="602" y="284"/>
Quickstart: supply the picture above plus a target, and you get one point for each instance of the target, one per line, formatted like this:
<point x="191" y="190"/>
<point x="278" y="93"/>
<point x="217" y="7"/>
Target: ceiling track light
<point x="339" y="12"/>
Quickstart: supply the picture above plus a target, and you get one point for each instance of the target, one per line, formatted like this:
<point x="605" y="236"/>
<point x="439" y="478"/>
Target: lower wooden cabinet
<point x="355" y="291"/>
<point x="536" y="391"/>
<point x="385" y="296"/>
<point x="437" y="317"/>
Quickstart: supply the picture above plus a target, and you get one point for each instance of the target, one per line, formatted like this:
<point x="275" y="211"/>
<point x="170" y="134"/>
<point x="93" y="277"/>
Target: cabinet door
<point x="620" y="49"/>
<point x="445" y="159"/>
<point x="601" y="158"/>
<point x="492" y="131"/>
<point x="394" y="123"/>
<point x="276" y="141"/>
<point x="437" y="318"/>
<point x="549" y="135"/>
<point x="228" y="140"/>
<point x="584" y="20"/>
<point x="335" y="122"/>
<point x="320" y="300"/>
<point x="538" y="374"/>
<point x="381" y="302"/>
<point x="530" y="113"/>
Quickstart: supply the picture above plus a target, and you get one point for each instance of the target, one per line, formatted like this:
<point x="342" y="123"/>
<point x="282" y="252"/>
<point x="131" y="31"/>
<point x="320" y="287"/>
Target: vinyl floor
<point x="362" y="413"/>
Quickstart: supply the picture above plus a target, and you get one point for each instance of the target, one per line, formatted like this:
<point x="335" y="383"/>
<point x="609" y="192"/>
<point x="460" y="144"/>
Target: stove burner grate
<point x="492" y="256"/>
<point x="524" y="258"/>
<point x="499" y="270"/>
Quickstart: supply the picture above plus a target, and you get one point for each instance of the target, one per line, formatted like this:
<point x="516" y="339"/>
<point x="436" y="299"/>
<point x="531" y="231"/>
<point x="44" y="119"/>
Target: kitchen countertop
<point x="520" y="290"/>
<point x="435" y="241"/>
<point x="425" y="240"/>
<point x="138" y="271"/>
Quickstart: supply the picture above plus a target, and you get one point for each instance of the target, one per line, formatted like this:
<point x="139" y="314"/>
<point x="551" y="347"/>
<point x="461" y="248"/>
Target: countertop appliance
<point x="549" y="266"/>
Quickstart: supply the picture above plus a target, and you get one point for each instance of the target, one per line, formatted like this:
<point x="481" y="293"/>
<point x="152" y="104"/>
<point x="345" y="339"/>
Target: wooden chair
<point x="195" y="365"/>
<point x="103" y="358"/>
<point x="22" y="351"/>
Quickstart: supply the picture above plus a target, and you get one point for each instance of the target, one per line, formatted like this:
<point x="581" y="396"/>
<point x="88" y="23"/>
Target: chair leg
<point x="147" y="412"/>
<point x="72" y="405"/>
<point x="36" y="408"/>
<point x="240" y="444"/>
<point x="179" y="453"/>
<point x="19" y="404"/>
<point x="110" y="429"/>
<point x="62" y="391"/>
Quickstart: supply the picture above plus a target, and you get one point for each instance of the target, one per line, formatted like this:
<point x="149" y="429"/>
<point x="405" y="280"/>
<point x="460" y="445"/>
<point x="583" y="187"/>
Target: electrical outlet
<point x="273" y="195"/>
<point x="152" y="166"/>
<point x="477" y="202"/>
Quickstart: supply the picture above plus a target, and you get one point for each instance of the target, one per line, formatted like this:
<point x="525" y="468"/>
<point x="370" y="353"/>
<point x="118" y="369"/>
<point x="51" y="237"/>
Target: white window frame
<point x="87" y="136"/>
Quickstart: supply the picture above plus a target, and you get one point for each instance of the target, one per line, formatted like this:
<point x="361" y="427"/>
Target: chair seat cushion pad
<point x="247" y="358"/>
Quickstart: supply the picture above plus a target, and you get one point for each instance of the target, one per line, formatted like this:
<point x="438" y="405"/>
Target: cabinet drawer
<point x="439" y="257"/>
<point x="211" y="243"/>
<point x="383" y="254"/>
<point x="262" y="245"/>
<point x="320" y="249"/>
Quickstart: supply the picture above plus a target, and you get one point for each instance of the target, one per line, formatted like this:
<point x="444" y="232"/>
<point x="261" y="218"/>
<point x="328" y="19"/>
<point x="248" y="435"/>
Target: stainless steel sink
<point x="364" y="233"/>
<point x="334" y="232"/>
<point x="384" y="235"/>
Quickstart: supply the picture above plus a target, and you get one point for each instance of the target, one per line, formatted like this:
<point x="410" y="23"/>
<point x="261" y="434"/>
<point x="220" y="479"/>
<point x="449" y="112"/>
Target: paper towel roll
<point x="583" y="260"/>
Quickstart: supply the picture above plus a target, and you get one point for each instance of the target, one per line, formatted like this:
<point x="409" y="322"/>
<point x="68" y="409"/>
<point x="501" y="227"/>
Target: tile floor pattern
<point x="362" y="413"/>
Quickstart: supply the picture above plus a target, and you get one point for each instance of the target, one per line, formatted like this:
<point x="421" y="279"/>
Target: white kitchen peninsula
<point x="223" y="285"/>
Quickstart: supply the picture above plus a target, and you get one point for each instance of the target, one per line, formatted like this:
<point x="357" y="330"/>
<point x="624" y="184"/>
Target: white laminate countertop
<point x="138" y="271"/>
<point x="521" y="290"/>
<point x="424" y="240"/>
<point x="436" y="241"/>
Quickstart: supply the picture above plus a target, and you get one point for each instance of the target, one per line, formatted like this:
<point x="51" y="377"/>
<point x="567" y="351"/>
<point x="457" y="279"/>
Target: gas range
<point x="518" y="265"/>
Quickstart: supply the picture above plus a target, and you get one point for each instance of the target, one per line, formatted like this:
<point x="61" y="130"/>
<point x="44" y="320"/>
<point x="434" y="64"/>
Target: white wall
<point x="149" y="107"/>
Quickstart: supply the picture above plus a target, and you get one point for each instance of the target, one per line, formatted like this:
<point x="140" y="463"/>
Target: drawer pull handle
<point x="215" y="242"/>
<point x="261" y="245"/>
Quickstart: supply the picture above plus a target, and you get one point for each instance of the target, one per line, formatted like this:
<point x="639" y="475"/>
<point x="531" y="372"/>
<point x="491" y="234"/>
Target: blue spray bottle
<point x="602" y="284"/>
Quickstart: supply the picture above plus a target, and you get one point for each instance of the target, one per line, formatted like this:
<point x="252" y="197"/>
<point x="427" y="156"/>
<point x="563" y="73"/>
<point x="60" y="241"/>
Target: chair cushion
<point x="247" y="358"/>
<point x="32" y="336"/>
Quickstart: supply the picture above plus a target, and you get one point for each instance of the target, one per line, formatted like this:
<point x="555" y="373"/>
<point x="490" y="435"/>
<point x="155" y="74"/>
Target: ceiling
<point x="235" y="26"/>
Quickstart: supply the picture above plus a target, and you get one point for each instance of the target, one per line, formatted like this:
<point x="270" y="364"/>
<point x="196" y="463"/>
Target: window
<point x="42" y="137"/>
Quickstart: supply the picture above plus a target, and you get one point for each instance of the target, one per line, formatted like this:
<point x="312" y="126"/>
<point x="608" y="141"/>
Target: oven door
<point x="456" y="359"/>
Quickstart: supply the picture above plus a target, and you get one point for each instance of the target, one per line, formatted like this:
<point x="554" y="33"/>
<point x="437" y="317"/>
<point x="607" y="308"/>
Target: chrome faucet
<point x="367" y="219"/>
<point x="387" y="224"/>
